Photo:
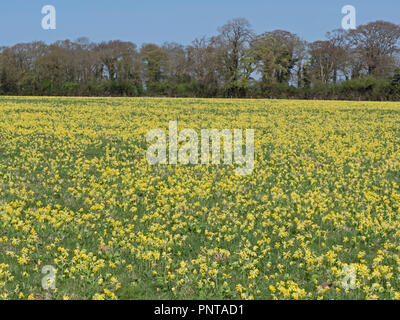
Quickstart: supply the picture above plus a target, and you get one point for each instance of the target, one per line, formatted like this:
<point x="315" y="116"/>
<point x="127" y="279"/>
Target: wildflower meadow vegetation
<point x="78" y="194"/>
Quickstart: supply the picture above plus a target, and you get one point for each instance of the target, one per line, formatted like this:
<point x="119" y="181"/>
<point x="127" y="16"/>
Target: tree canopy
<point x="357" y="64"/>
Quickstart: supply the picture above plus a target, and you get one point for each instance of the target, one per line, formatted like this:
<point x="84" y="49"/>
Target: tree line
<point x="363" y="63"/>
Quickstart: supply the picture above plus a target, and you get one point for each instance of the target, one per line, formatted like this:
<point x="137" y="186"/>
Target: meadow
<point x="77" y="193"/>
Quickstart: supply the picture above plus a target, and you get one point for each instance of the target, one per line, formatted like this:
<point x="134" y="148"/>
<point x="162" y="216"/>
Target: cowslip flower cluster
<point x="77" y="193"/>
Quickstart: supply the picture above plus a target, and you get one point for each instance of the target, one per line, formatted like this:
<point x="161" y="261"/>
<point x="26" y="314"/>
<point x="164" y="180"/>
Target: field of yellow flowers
<point x="77" y="193"/>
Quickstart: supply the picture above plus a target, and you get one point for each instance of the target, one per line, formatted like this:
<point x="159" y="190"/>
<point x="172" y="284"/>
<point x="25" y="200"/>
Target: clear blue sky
<point x="179" y="20"/>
